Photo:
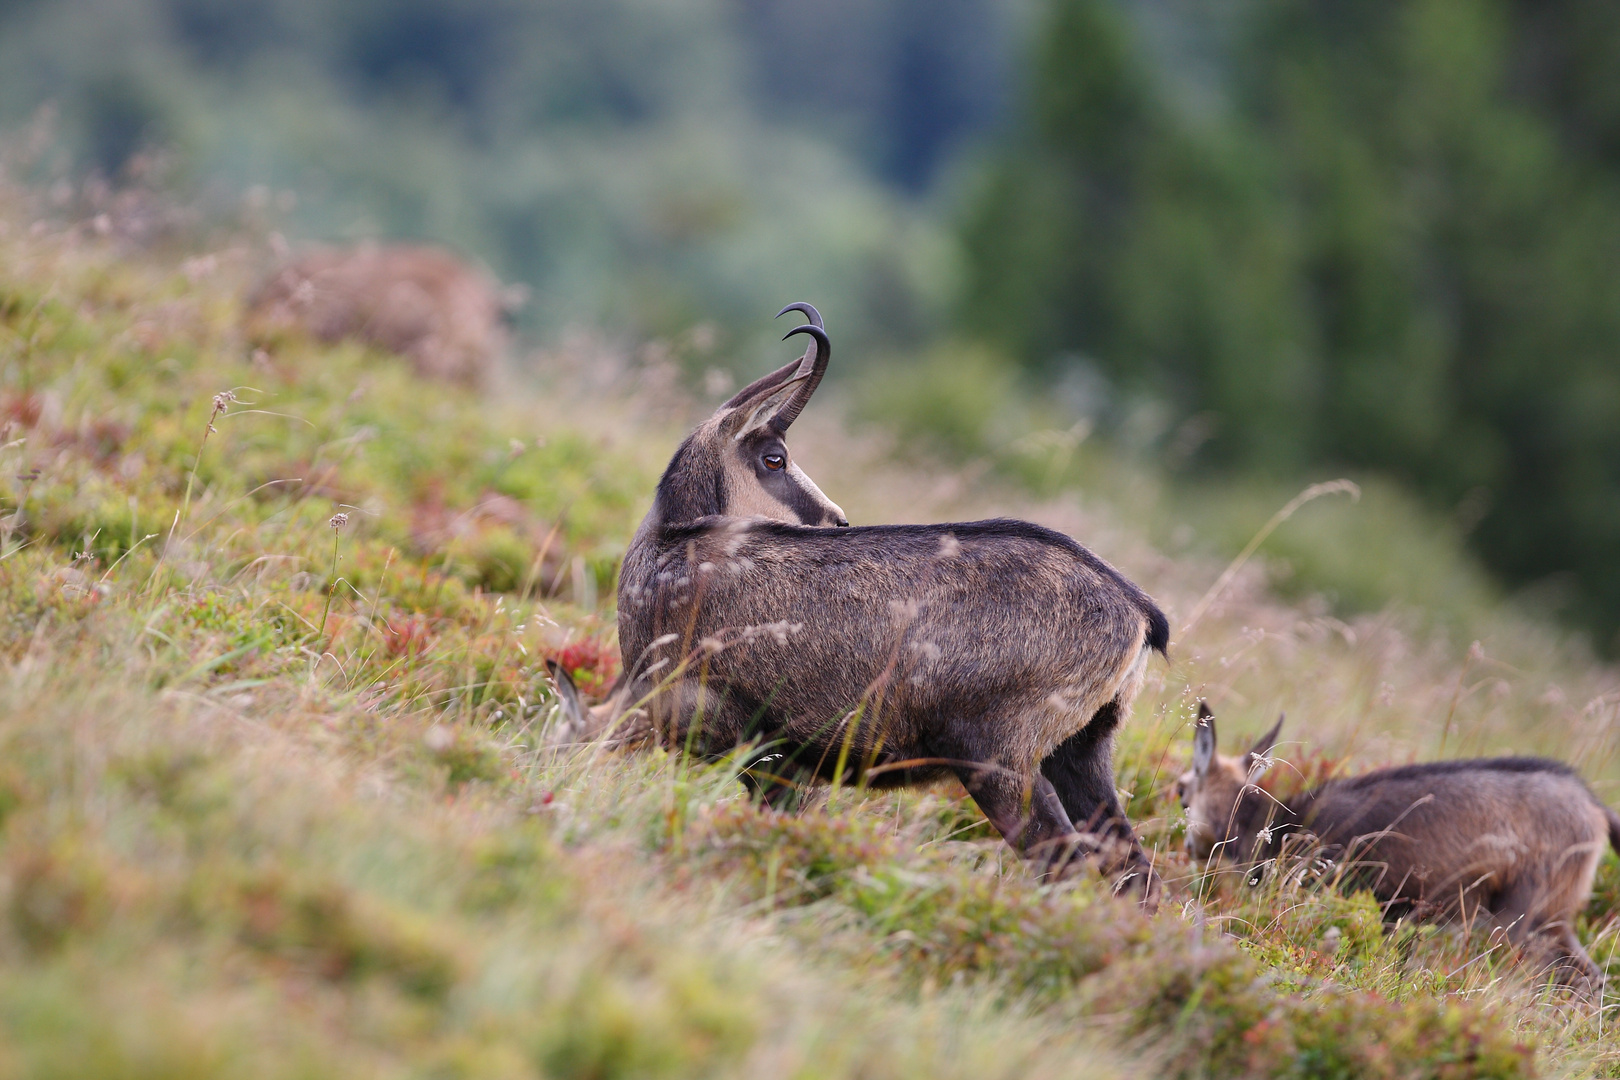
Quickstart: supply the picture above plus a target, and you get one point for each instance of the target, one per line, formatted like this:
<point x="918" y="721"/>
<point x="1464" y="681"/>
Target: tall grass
<point x="258" y="817"/>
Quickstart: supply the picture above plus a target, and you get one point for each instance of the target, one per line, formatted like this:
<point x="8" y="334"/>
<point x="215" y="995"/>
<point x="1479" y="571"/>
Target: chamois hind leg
<point x="1081" y="771"/>
<point x="1547" y="944"/>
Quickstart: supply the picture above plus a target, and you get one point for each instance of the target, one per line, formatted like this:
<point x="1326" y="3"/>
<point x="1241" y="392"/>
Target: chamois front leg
<point x="1081" y="772"/>
<point x="710" y="720"/>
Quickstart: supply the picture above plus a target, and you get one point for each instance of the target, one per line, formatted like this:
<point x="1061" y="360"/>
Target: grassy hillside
<point x="277" y="797"/>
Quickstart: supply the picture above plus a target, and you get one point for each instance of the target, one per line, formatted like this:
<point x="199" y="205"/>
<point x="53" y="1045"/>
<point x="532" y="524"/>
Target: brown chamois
<point x="1511" y="841"/>
<point x="998" y="651"/>
<point x="449" y="318"/>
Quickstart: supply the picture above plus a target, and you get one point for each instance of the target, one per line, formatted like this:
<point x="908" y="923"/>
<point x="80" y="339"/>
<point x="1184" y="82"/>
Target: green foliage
<point x="1386" y="248"/>
<point x="1359" y="554"/>
<point x="1210" y="1009"/>
<point x="680" y="1023"/>
<point x="1227" y="1021"/>
<point x="639" y="165"/>
<point x="327" y="930"/>
<point x="954" y="402"/>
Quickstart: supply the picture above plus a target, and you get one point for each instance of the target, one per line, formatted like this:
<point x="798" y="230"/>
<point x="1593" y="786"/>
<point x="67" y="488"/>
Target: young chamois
<point x="998" y="651"/>
<point x="614" y="721"/>
<point x="1511" y="841"/>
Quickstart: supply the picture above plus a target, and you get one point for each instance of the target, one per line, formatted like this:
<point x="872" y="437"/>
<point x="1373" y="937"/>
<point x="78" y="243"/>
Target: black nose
<point x="842" y="523"/>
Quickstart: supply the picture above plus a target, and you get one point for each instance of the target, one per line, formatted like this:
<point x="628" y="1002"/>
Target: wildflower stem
<point x="222" y="401"/>
<point x="337" y="522"/>
<point x="330" y="588"/>
<point x="1315" y="491"/>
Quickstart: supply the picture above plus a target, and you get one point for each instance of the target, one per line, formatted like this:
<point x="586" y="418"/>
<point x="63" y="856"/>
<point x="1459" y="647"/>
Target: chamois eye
<point x="774" y="462"/>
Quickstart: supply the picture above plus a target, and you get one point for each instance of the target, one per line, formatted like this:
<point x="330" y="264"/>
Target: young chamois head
<point x="736" y="464"/>
<point x="1219" y="794"/>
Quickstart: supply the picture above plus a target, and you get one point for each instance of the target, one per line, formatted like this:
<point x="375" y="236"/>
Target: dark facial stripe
<point x="802" y="501"/>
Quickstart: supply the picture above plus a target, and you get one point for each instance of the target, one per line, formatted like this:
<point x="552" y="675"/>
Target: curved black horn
<point x="815" y="320"/>
<point x="808" y="309"/>
<point x="783" y="373"/>
<point x="795" y="404"/>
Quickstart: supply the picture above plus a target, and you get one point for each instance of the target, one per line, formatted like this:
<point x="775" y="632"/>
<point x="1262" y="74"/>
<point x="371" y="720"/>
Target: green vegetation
<point x="277" y="795"/>
<point x="1379" y="237"/>
<point x="1252" y="244"/>
<point x="641" y="167"/>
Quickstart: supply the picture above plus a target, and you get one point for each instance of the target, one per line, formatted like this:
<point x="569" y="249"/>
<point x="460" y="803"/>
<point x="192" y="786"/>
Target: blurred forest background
<point x="1262" y="238"/>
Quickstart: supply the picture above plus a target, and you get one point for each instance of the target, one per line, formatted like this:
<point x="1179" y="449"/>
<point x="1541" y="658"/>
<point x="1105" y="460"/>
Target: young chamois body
<point x="998" y="651"/>
<point x="1511" y="843"/>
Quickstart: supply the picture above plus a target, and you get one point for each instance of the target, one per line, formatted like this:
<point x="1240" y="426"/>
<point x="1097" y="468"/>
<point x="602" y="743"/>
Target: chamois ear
<point x="1269" y="739"/>
<point x="573" y="709"/>
<point x="817" y="362"/>
<point x="761" y="384"/>
<point x="762" y="410"/>
<point x="1257" y="762"/>
<point x="1203" y="741"/>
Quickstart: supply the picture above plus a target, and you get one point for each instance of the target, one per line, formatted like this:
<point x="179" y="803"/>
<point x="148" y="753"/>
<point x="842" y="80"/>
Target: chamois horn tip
<point x="808" y="309"/>
<point x="814" y="331"/>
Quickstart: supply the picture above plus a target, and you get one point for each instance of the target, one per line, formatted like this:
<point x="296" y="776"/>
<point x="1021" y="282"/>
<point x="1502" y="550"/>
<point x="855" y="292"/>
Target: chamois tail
<point x="1158" y="634"/>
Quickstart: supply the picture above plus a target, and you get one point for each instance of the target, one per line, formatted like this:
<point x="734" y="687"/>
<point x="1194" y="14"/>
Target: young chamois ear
<point x="575" y="717"/>
<point x="1203" y="742"/>
<point x="614" y="721"/>
<point x="1258" y="761"/>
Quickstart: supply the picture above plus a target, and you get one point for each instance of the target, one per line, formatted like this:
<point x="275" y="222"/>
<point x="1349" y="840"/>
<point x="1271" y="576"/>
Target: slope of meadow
<point x="277" y="797"/>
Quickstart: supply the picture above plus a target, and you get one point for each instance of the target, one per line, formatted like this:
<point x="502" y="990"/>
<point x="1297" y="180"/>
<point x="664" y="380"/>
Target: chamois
<point x="613" y="721"/>
<point x="1512" y="841"/>
<point x="998" y="651"/>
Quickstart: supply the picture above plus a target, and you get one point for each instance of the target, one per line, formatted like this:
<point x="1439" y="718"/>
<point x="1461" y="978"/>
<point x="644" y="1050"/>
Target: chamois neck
<point x="693" y="486"/>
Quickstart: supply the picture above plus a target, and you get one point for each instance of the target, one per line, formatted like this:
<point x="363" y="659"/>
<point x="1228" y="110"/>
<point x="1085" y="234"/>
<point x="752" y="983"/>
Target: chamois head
<point x="737" y="464"/>
<point x="1213" y="788"/>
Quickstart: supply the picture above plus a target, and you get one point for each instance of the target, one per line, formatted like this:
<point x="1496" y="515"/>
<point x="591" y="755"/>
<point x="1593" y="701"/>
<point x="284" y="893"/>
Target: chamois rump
<point x="1004" y="653"/>
<point x="1511" y="843"/>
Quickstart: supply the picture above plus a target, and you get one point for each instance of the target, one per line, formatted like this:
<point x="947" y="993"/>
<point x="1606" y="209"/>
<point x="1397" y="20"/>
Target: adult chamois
<point x="998" y="651"/>
<point x="1511" y="843"/>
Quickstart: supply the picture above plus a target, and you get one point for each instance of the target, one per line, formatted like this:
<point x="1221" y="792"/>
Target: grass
<point x="277" y="797"/>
